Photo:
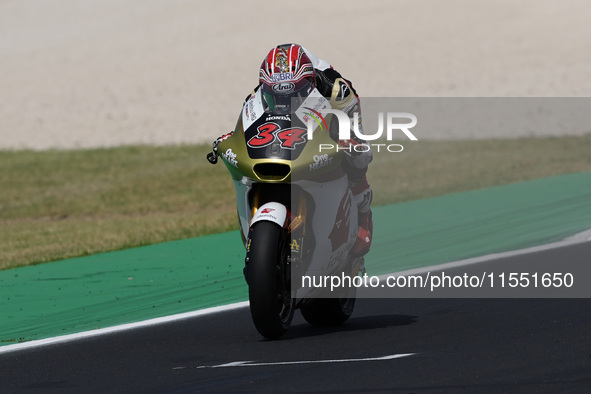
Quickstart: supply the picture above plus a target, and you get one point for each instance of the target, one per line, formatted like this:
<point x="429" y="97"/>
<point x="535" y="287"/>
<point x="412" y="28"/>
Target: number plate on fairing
<point x="274" y="137"/>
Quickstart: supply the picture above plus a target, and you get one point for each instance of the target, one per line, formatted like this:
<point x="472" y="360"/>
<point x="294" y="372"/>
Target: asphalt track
<point x="389" y="345"/>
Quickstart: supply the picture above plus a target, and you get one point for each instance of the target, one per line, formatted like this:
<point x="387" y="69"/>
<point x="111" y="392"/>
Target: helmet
<point x="286" y="72"/>
<point x="287" y="63"/>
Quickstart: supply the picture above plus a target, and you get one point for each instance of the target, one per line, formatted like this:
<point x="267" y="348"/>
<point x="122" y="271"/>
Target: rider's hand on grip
<point x="358" y="154"/>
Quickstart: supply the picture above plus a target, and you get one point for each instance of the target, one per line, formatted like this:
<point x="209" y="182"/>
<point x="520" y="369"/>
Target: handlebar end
<point x="212" y="157"/>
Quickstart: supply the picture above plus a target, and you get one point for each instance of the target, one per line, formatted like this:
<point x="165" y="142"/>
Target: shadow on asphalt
<point x="354" y="324"/>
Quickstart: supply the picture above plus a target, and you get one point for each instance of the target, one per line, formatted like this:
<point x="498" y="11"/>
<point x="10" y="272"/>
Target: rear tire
<point x="269" y="283"/>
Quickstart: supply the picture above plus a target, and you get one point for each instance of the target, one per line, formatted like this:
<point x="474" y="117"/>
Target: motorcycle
<point x="296" y="211"/>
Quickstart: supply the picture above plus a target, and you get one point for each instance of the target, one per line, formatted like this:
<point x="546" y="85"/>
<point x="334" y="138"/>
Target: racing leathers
<point x="343" y="97"/>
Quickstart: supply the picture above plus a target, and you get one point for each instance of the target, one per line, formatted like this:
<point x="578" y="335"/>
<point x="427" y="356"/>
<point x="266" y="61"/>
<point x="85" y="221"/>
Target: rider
<point x="302" y="67"/>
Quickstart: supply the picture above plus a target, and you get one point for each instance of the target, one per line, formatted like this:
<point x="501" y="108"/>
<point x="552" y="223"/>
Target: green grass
<point x="429" y="168"/>
<point x="60" y="204"/>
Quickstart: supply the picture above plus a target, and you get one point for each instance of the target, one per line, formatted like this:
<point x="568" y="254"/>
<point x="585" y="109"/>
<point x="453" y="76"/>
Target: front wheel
<point x="269" y="287"/>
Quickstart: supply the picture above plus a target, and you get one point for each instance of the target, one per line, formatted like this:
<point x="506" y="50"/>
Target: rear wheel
<point x="269" y="282"/>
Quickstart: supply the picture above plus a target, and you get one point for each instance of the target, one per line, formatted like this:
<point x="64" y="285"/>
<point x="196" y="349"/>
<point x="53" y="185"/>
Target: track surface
<point x="457" y="345"/>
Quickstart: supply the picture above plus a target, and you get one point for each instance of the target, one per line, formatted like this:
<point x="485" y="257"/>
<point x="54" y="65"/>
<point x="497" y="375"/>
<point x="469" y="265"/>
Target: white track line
<point x="123" y="327"/>
<point x="578" y="238"/>
<point x="582" y="237"/>
<point x="265" y="364"/>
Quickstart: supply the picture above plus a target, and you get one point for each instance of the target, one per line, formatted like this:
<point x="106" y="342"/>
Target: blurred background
<point x="96" y="73"/>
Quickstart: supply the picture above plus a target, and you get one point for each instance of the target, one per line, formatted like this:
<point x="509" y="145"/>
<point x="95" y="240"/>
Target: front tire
<point x="269" y="283"/>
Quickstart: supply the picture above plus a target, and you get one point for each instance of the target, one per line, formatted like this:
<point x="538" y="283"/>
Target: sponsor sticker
<point x="280" y="77"/>
<point x="279" y="117"/>
<point x="320" y="161"/>
<point x="313" y="104"/>
<point x="253" y="109"/>
<point x="230" y="157"/>
<point x="283" y="87"/>
<point x="294" y="246"/>
<point x="295" y="224"/>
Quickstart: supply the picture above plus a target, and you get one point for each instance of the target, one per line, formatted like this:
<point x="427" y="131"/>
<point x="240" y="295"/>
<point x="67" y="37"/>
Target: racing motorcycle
<point x="296" y="211"/>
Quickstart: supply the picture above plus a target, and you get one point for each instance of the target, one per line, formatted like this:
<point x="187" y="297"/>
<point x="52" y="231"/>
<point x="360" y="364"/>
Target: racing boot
<point x="362" y="195"/>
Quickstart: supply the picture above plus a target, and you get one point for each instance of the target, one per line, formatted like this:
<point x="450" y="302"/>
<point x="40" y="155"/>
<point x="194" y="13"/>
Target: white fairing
<point x="242" y="189"/>
<point x="253" y="109"/>
<point x="335" y="208"/>
<point x="271" y="212"/>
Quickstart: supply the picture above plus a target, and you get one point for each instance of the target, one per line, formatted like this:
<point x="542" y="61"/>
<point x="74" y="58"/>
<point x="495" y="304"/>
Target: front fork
<point x="289" y="212"/>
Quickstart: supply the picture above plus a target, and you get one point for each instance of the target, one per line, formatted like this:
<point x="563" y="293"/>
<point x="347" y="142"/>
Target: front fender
<point x="271" y="212"/>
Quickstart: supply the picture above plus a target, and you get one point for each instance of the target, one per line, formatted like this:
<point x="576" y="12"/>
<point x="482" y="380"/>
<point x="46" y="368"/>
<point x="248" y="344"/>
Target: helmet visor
<point x="278" y="96"/>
